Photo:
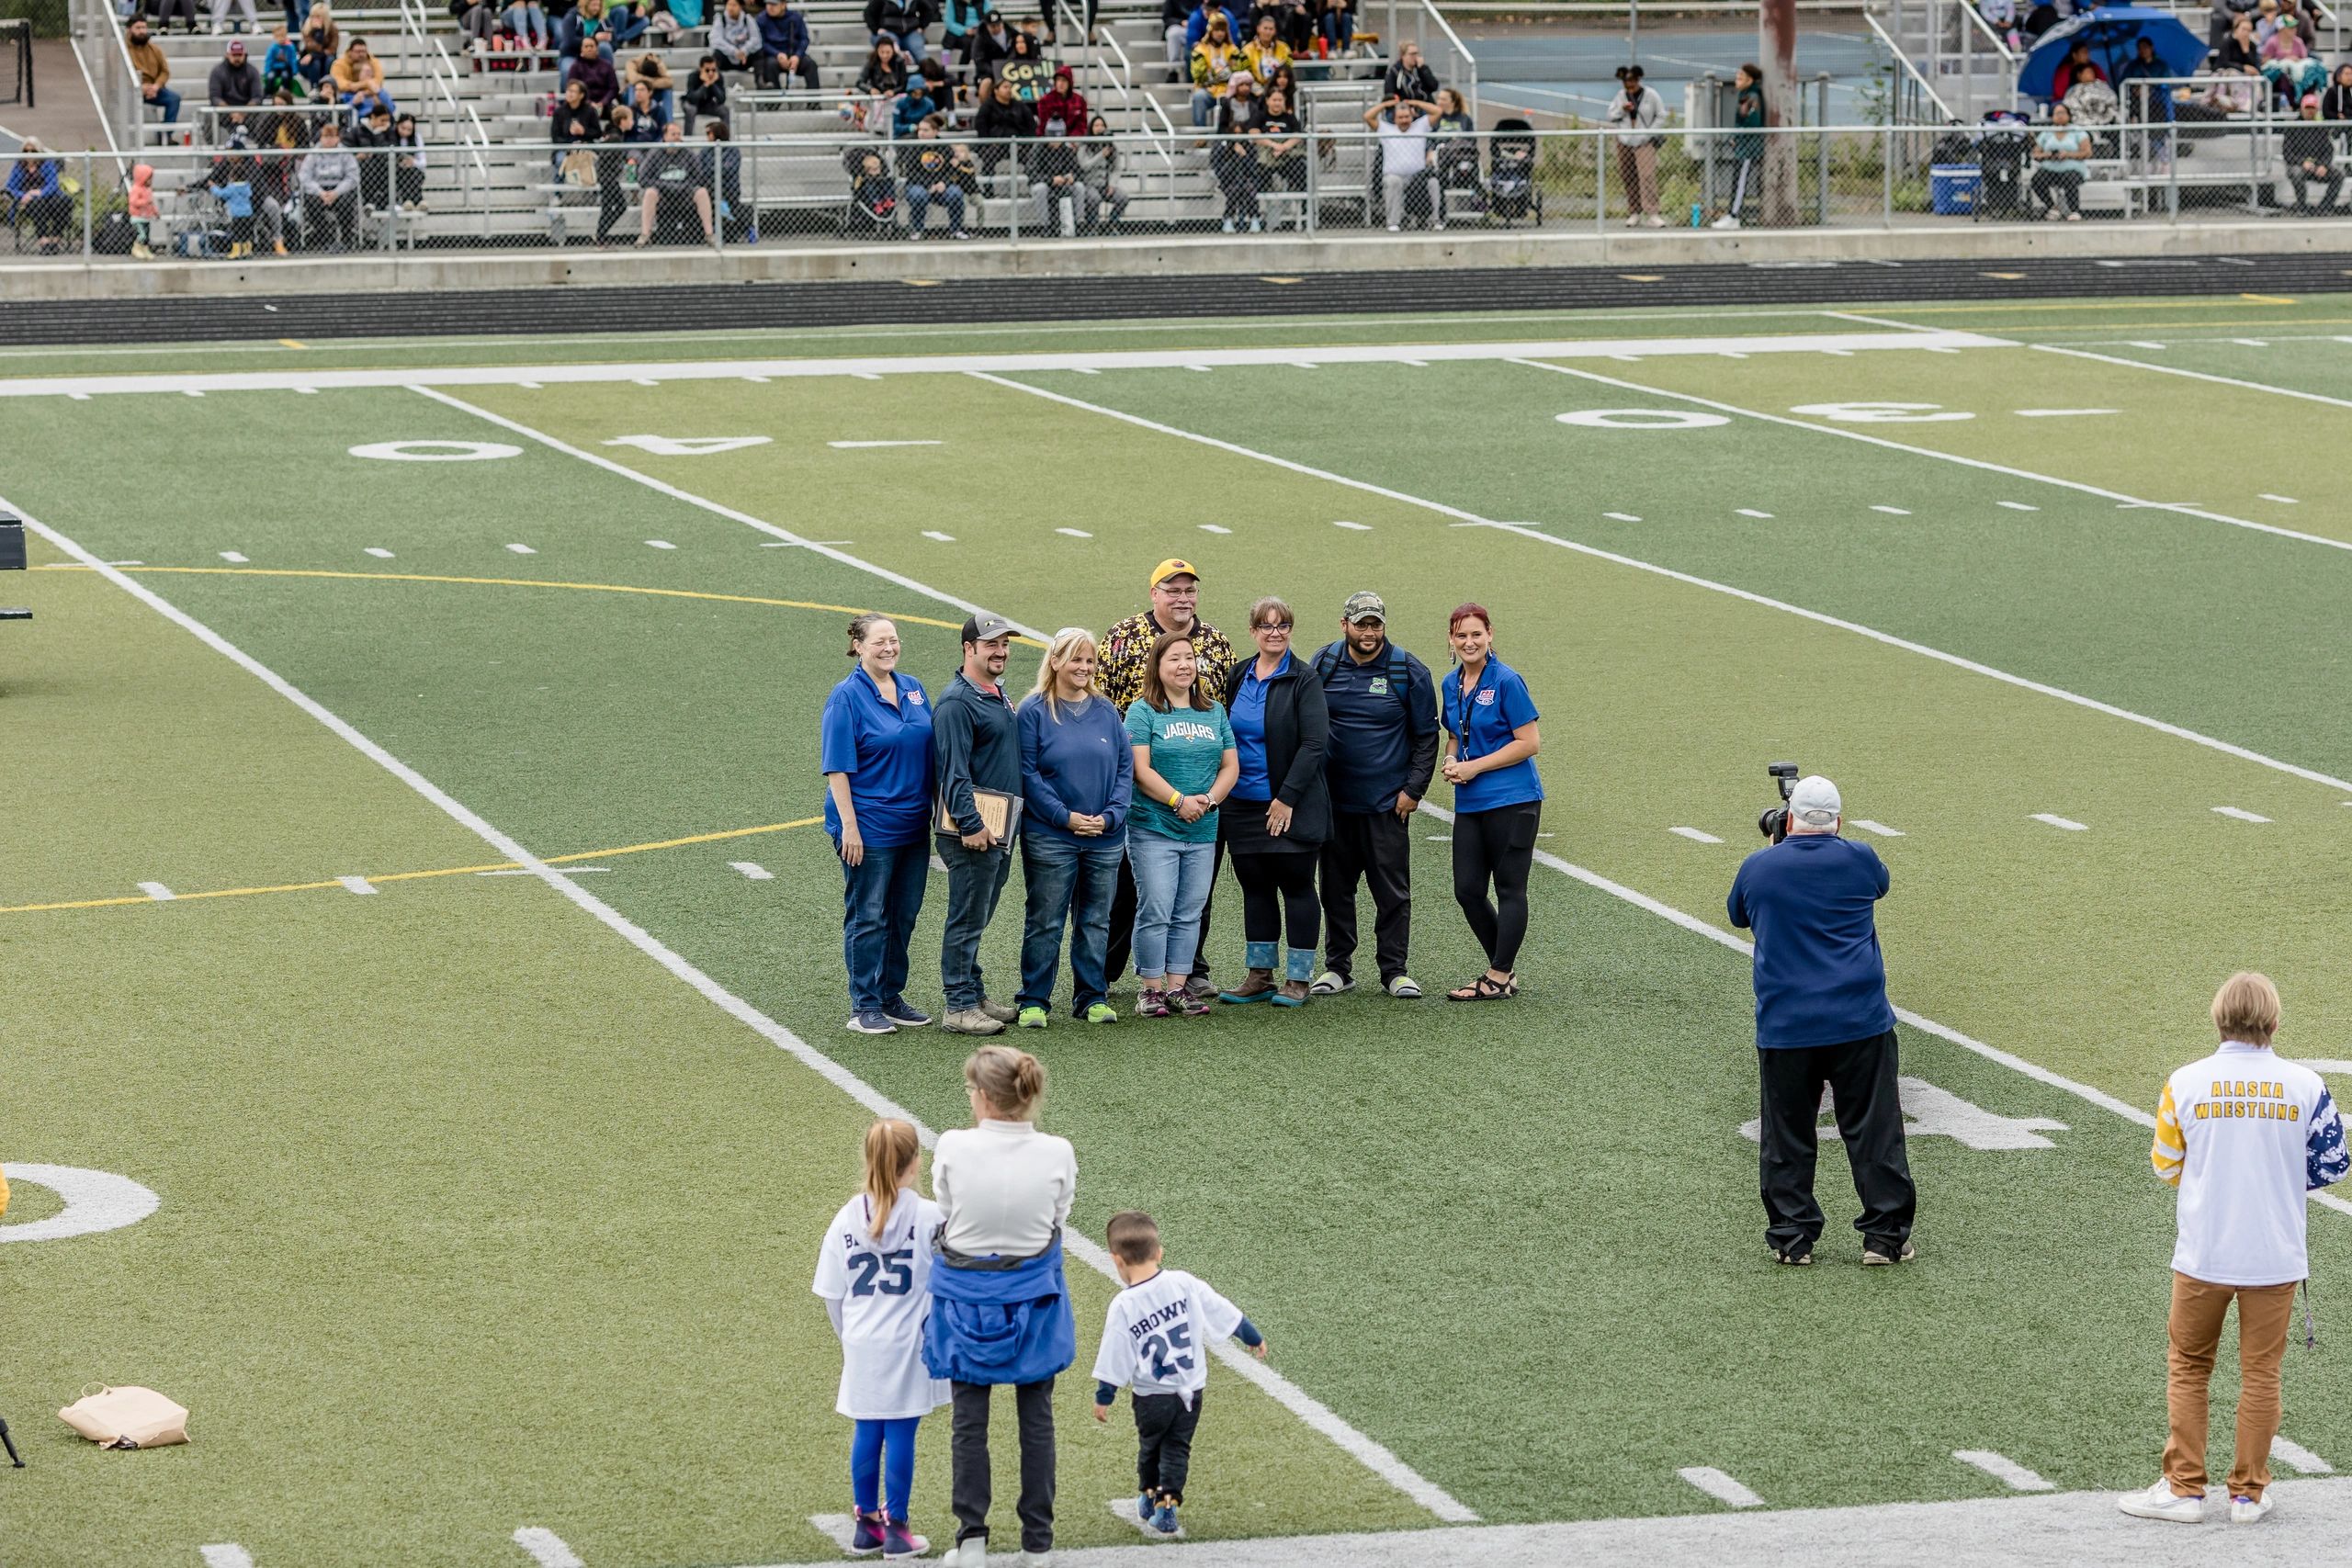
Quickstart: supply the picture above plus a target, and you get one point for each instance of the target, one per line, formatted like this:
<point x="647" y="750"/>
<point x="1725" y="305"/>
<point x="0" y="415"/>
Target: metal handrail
<point x="1895" y="50"/>
<point x="1461" y="51"/>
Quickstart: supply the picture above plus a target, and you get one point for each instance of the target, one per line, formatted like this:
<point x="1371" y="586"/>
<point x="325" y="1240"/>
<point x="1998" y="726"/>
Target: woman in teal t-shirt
<point x="1185" y="765"/>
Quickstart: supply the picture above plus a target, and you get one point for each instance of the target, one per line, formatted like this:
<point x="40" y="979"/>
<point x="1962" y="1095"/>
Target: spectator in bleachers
<point x="727" y="185"/>
<point x="785" y="48"/>
<point x="408" y="165"/>
<point x="1280" y="143"/>
<point x="876" y="94"/>
<point x="938" y="172"/>
<point x="1026" y="68"/>
<point x="675" y="180"/>
<point x="1173" y="15"/>
<point x="1098" y="164"/>
<point x="873" y="201"/>
<point x="648" y="72"/>
<point x="914" y="106"/>
<point x="1065" y="103"/>
<point x="1293" y="24"/>
<point x="1196" y="25"/>
<point x="616" y="153"/>
<point x="155" y="71"/>
<point x="2335" y="103"/>
<point x="1063" y="201"/>
<point x="1002" y="122"/>
<point x="991" y="47"/>
<point x="320" y="41"/>
<point x="900" y="21"/>
<point x="2287" y="65"/>
<point x="959" y="22"/>
<point x="527" y="21"/>
<point x="279" y="67"/>
<point x="594" y="73"/>
<point x="574" y="123"/>
<point x="267" y="187"/>
<point x="705" y="95"/>
<point x="2309" y="149"/>
<point x="371" y="143"/>
<point x="2242" y="52"/>
<point x="735" y="39"/>
<point x="357" y="74"/>
<point x="1638" y="114"/>
<point x="1410" y="77"/>
<point x="1403" y="126"/>
<point x="585" y="19"/>
<point x="646" y="105"/>
<point x="330" y="182"/>
<point x="1336" y="25"/>
<point x="221" y="9"/>
<point x="1214" y="59"/>
<point x="1285" y="80"/>
<point x="36" y="192"/>
<point x="2222" y="18"/>
<point x="1233" y="158"/>
<point x="2092" y="103"/>
<point x="1265" y="52"/>
<point x="235" y="83"/>
<point x="937" y="85"/>
<point x="2078" y="59"/>
<point x="1453" y="152"/>
<point x="624" y="25"/>
<point x="2060" y="154"/>
<point x="2144" y="104"/>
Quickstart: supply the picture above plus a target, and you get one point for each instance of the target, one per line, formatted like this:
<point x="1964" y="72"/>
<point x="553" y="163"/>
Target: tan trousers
<point x="2198" y="1312"/>
<point x="1637" y="176"/>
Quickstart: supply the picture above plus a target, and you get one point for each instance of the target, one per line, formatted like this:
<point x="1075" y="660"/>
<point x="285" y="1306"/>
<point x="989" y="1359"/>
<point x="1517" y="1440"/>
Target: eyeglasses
<point x="1274" y="626"/>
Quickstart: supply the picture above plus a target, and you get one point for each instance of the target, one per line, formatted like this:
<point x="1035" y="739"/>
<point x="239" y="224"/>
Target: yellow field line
<point x="416" y="875"/>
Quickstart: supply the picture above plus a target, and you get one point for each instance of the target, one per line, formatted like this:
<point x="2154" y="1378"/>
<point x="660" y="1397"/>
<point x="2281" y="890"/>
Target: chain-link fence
<point x="268" y="184"/>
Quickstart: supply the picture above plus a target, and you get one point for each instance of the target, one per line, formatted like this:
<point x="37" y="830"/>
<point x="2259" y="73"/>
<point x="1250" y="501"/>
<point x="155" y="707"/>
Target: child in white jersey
<point x="1156" y="1341"/>
<point x="875" y="1275"/>
<point x="2245" y="1135"/>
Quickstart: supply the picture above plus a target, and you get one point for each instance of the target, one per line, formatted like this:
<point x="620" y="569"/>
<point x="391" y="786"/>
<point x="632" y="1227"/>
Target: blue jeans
<point x="1068" y="885"/>
<point x="881" y="896"/>
<point x="169" y="102"/>
<point x="1171" y="886"/>
<point x="975" y="882"/>
<point x="919" y="200"/>
<point x="911" y="41"/>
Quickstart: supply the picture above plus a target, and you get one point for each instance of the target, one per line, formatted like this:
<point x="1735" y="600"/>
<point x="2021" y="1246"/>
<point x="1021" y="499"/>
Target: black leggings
<point x="1278" y="895"/>
<point x="1496" y="845"/>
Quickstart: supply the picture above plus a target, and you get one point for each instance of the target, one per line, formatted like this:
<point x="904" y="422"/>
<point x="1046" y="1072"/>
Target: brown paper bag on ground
<point x="126" y="1419"/>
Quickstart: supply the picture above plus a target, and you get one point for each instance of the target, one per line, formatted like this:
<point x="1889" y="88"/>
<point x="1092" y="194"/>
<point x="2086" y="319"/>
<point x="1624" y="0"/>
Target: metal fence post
<point x="1599" y="182"/>
<point x="1313" y="201"/>
<point x="1886" y="173"/>
<point x="1020" y="188"/>
<point x="89" y="201"/>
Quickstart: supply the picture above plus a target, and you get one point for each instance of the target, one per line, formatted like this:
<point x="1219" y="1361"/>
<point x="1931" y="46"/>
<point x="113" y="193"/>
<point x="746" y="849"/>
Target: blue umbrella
<point x="2114" y="33"/>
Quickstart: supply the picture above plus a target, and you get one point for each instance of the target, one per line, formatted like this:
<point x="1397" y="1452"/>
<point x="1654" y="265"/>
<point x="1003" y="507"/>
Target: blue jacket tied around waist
<point x="999" y="1321"/>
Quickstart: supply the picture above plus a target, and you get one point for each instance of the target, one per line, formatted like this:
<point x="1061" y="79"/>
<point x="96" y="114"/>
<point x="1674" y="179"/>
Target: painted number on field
<point x="435" y="451"/>
<point x="1642" y="419"/>
<point x="1932" y="1112"/>
<point x="688" y="445"/>
<point x="94" y="1201"/>
<point x="1880" y="413"/>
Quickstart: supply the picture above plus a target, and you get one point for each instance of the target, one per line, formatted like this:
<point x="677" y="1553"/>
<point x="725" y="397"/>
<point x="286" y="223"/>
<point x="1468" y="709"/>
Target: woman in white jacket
<point x="1636" y="113"/>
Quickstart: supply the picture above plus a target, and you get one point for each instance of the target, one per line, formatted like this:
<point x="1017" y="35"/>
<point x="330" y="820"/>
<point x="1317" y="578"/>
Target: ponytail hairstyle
<point x="1011" y="1081"/>
<point x="861" y="627"/>
<point x="890" y="1148"/>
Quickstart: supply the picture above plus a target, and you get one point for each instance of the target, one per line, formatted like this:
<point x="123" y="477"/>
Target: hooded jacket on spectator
<point x="329" y="171"/>
<point x="734" y="36"/>
<point x="1065" y="103"/>
<point x="897" y="16"/>
<point x="786" y="35"/>
<point x="234" y="84"/>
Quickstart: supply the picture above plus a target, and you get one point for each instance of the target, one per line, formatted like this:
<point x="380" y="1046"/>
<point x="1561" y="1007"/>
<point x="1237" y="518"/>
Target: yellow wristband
<point x="1175" y="799"/>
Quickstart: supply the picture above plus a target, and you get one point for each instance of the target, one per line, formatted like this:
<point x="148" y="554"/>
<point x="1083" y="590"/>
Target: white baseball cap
<point x="1814" y="802"/>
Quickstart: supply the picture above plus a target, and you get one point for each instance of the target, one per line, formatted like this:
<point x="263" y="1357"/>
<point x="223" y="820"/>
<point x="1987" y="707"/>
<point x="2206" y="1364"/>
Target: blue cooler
<point x="1952" y="188"/>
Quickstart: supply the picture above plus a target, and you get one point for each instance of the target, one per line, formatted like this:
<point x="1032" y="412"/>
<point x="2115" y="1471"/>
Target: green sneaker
<point x="1102" y="1013"/>
<point x="1031" y="1018"/>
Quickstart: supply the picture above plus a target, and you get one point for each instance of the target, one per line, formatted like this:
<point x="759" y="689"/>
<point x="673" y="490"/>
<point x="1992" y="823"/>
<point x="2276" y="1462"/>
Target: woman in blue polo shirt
<point x="1490" y="745"/>
<point x="876" y="753"/>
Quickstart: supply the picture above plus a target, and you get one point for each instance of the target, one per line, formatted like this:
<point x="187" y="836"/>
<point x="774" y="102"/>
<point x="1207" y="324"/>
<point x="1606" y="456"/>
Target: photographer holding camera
<point x="1821" y="1017"/>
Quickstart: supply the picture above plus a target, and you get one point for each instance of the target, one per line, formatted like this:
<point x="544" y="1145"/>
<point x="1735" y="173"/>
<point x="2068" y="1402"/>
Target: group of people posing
<point x="1139" y="762"/>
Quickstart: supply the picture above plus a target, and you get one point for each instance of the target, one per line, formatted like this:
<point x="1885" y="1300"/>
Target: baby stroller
<point x="1511" y="192"/>
<point x="2002" y="153"/>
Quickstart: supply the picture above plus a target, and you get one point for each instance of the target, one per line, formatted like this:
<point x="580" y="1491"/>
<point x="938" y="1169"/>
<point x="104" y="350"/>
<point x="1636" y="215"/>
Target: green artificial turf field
<point x="486" y="1056"/>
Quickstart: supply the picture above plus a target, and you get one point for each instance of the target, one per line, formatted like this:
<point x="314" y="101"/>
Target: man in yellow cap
<point x="1118" y="675"/>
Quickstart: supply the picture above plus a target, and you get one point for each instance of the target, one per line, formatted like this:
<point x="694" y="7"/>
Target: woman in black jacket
<point x="1274" y="821"/>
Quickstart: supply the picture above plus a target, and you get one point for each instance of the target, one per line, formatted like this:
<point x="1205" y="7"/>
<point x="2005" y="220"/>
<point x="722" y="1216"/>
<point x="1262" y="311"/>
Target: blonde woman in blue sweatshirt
<point x="1077" y="778"/>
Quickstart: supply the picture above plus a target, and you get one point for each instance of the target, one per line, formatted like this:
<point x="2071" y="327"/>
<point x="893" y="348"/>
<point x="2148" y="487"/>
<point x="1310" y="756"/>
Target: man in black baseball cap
<point x="1381" y="754"/>
<point x="976" y="746"/>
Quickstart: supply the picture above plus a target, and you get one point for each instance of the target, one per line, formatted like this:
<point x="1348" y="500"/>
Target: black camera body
<point x="1774" y="823"/>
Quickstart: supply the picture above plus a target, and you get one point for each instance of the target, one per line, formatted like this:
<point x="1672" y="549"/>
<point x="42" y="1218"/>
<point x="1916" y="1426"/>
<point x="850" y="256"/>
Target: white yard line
<point x="2296" y="1457"/>
<point x="868" y="445"/>
<point x="2197" y="376"/>
<point x="1358" y="527"/>
<point x="2043" y="688"/>
<point x="2239" y="812"/>
<point x="1881" y="829"/>
<point x="781" y="536"/>
<point x="1719" y="1487"/>
<point x="2005" y="1471"/>
<point x="547" y="1548"/>
<point x="1991" y="467"/>
<point x="1366" y="1451"/>
<point x="1695" y="835"/>
<point x="2068" y="823"/>
<point x="935" y="365"/>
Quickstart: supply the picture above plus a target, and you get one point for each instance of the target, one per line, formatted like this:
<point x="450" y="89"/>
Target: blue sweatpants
<point x="882" y="1462"/>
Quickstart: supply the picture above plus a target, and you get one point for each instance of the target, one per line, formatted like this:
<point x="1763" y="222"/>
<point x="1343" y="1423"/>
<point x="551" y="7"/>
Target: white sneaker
<point x="2250" y="1510"/>
<point x="1725" y="221"/>
<point x="1330" y="983"/>
<point x="973" y="1554"/>
<point x="1633" y="221"/>
<point x="1654" y="221"/>
<point x="2159" y="1502"/>
<point x="1392" y="228"/>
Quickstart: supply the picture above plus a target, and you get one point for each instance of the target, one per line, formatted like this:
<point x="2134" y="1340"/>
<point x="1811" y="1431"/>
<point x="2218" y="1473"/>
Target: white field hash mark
<point x="1751" y="512"/>
<point x="754" y="869"/>
<point x="2068" y="823"/>
<point x="2294" y="1455"/>
<point x="523" y="549"/>
<point x="359" y="885"/>
<point x="1719" y="1487"/>
<point x="935" y="534"/>
<point x="1310" y="1411"/>
<point x="158" y="892"/>
<point x="547" y="1548"/>
<point x="1891" y="511"/>
<point x="226" y="1554"/>
<point x="379" y="552"/>
<point x="1881" y="829"/>
<point x="1695" y="835"/>
<point x="2239" y="812"/>
<point x="232" y="558"/>
<point x="1620" y="517"/>
<point x="1075" y="533"/>
<point x="2005" y="1471"/>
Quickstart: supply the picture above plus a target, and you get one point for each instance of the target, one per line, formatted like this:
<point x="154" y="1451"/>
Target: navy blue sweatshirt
<point x="975" y="742"/>
<point x="1820" y="979"/>
<point x="1080" y="763"/>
